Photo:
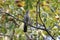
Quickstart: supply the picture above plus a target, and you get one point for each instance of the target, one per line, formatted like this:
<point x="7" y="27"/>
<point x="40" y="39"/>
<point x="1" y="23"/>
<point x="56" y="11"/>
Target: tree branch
<point x="29" y="24"/>
<point x="38" y="4"/>
<point x="22" y="21"/>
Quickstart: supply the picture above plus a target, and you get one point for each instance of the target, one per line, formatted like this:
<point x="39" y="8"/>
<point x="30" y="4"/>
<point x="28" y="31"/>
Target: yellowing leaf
<point x="44" y="3"/>
<point x="47" y="8"/>
<point x="59" y="24"/>
<point x="21" y="4"/>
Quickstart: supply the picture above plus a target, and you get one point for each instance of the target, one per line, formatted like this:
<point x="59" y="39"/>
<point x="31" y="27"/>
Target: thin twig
<point x="36" y="17"/>
<point x="23" y="21"/>
<point x="28" y="24"/>
<point x="28" y="36"/>
<point x="38" y="3"/>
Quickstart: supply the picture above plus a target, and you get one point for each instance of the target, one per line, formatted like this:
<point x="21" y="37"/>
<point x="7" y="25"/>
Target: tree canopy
<point x="44" y="19"/>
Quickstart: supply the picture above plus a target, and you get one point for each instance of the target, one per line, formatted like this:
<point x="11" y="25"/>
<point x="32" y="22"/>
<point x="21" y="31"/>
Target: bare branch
<point x="22" y="21"/>
<point x="38" y="5"/>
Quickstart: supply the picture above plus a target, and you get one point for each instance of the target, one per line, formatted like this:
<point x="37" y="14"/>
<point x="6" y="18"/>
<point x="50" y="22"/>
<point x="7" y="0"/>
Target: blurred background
<point x="44" y="17"/>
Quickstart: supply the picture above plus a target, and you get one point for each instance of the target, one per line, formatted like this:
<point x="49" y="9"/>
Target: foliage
<point x="49" y="13"/>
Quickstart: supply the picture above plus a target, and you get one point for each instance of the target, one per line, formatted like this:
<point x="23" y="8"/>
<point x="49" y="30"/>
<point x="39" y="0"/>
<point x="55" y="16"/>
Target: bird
<point x="26" y="20"/>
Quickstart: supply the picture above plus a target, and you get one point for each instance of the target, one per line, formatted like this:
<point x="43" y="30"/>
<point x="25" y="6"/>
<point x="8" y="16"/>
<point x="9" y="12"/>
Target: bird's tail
<point x="25" y="27"/>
